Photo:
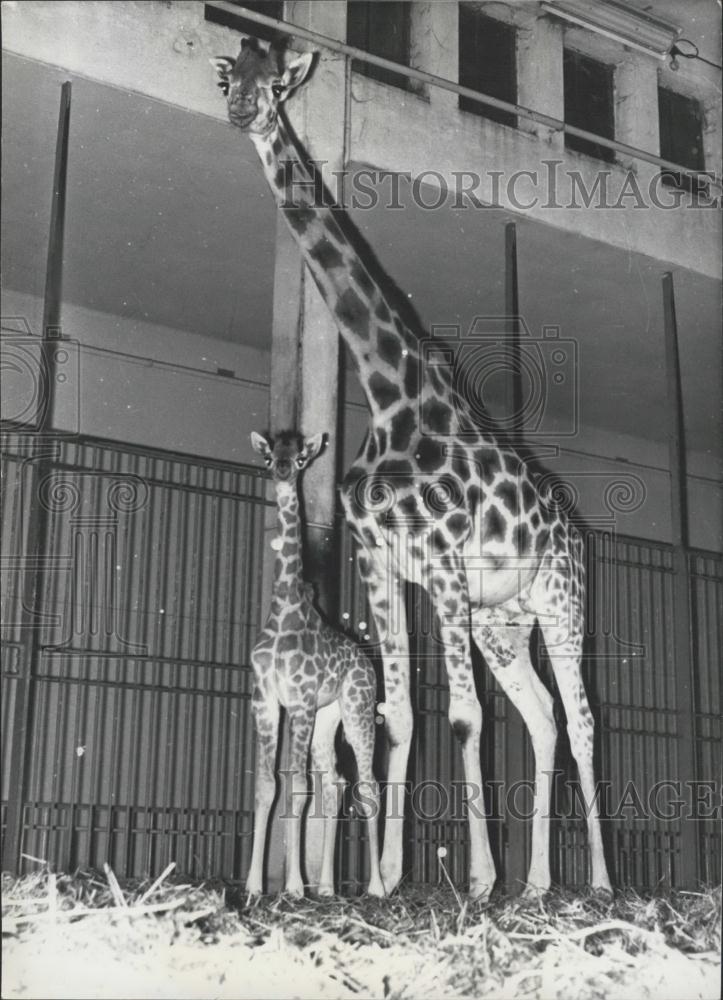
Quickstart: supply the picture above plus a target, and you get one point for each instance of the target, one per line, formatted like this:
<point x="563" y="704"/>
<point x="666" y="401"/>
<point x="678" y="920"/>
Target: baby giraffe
<point x="320" y="677"/>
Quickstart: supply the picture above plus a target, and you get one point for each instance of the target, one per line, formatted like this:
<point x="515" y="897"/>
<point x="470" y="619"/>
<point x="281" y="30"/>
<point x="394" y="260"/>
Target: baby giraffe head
<point x="288" y="455"/>
<point x="258" y="81"/>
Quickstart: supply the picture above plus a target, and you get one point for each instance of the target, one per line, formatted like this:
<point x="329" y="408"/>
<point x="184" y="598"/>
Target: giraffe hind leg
<point x="558" y="595"/>
<point x="565" y="656"/>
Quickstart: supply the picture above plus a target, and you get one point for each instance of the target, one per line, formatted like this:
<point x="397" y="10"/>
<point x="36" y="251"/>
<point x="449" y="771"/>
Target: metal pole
<point x="512" y="311"/>
<point x="516" y="748"/>
<point x="38" y="514"/>
<point x="684" y="663"/>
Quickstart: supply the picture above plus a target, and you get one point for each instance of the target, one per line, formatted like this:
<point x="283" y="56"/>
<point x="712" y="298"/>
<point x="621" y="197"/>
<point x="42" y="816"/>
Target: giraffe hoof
<point x="531" y="893"/>
<point x="252" y="889"/>
<point x="480" y="892"/>
<point x="325" y="890"/>
<point x="390" y="885"/>
<point x="390" y="881"/>
<point x="376" y="888"/>
<point x="296" y="891"/>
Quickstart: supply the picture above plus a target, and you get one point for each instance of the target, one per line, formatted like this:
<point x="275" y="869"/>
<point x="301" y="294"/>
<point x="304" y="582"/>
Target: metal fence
<point x="632" y="680"/>
<point x="139" y="740"/>
<point x="137" y="736"/>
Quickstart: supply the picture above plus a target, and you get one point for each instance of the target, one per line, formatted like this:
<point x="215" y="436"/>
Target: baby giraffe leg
<point x="301" y="723"/>
<point x="323" y="760"/>
<point x="266" y="718"/>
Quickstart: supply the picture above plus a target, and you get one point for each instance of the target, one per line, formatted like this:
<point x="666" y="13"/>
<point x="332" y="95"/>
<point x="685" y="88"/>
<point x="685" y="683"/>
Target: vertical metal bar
<point x="654" y="664"/>
<point x="685" y="697"/>
<point x="512" y="312"/>
<point x="516" y="751"/>
<point x="38" y="515"/>
<point x="103" y="697"/>
<point x="208" y="803"/>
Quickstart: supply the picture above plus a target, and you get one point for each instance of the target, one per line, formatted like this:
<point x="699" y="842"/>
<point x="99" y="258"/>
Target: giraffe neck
<point x="288" y="586"/>
<point x="386" y="353"/>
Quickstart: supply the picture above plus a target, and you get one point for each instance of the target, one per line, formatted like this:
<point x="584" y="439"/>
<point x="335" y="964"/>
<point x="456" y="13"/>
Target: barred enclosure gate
<point x="138" y="739"/>
<point x="633" y="682"/>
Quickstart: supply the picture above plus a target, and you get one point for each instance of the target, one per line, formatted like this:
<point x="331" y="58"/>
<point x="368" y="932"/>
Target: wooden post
<point x="684" y="663"/>
<point x="305" y="371"/>
<point x="283" y="415"/>
<point x="325" y="111"/>
<point x="516" y="740"/>
<point x="38" y="514"/>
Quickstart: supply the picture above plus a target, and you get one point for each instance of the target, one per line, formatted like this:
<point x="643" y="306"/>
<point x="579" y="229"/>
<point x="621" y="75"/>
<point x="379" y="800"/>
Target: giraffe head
<point x="258" y="81"/>
<point x="288" y="455"/>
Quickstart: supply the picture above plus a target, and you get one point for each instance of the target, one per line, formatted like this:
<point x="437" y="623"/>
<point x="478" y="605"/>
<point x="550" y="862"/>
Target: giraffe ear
<point x="223" y="66"/>
<point x="313" y="445"/>
<point x="296" y="69"/>
<point x="260" y="444"/>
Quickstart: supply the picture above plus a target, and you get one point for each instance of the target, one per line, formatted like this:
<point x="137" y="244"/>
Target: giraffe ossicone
<point x="320" y="677"/>
<point x="494" y="561"/>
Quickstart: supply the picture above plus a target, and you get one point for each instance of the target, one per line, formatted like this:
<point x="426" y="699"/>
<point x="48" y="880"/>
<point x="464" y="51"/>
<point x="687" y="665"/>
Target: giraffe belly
<point x="489" y="586"/>
<point x="496" y="573"/>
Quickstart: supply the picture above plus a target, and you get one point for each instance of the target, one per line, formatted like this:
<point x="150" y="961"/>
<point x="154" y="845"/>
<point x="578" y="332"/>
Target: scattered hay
<point x="99" y="938"/>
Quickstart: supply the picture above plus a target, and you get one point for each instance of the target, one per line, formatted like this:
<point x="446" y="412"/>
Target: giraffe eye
<point x="277" y="90"/>
<point x="267" y="459"/>
<point x="300" y="461"/>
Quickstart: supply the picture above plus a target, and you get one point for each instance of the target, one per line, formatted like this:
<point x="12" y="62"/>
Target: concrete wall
<point x="146" y="384"/>
<point x="161" y="50"/>
<point x="153" y="386"/>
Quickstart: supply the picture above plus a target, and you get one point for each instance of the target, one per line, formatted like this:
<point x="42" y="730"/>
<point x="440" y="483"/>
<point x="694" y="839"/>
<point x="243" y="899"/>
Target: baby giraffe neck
<point x="288" y="578"/>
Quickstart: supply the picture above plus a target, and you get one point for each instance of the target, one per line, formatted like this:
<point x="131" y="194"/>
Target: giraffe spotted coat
<point x="433" y="500"/>
<point x="320" y="676"/>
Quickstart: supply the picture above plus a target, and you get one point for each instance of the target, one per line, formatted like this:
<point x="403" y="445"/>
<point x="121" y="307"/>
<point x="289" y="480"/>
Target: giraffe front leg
<point x="266" y="718"/>
<point x="399" y="727"/>
<point x="506" y="649"/>
<point x="301" y="724"/>
<point x="358" y="712"/>
<point x="323" y="762"/>
<point x="447" y="586"/>
<point x="386" y="603"/>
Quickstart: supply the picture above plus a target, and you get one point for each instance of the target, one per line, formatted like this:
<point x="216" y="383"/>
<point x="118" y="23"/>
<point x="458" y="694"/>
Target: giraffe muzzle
<point x="242" y="113"/>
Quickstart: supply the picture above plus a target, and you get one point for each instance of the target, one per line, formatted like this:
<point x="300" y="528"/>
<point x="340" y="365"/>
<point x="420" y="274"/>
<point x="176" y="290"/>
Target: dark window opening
<point x="230" y="19"/>
<point x="589" y="103"/>
<point x="487" y="63"/>
<point x="382" y="29"/>
<point x="681" y="139"/>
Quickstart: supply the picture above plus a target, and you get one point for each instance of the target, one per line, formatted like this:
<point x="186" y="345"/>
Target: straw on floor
<point x="86" y="935"/>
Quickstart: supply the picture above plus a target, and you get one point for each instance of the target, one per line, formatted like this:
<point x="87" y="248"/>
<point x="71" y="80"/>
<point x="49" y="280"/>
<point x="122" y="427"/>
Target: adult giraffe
<point x="432" y="500"/>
